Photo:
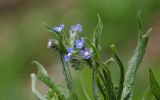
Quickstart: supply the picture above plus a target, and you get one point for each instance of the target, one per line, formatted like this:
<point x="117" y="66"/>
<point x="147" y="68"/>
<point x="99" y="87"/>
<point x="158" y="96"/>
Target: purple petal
<point x="71" y="32"/>
<point x="82" y="52"/>
<point x="73" y="28"/>
<point x="70" y="50"/>
<point x="67" y="57"/>
<point x="57" y="29"/>
<point x="61" y="26"/>
<point x="78" y="44"/>
<point x="79" y="27"/>
<point x="82" y="40"/>
<point x="86" y="54"/>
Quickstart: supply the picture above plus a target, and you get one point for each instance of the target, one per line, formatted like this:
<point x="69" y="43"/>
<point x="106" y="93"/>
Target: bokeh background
<point x="23" y="38"/>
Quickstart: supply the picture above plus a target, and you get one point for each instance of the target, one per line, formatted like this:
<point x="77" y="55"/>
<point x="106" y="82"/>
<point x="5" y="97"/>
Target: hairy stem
<point x="67" y="75"/>
<point x="94" y="83"/>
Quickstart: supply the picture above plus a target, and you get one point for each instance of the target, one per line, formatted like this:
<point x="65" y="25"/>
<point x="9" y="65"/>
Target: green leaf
<point x="105" y="77"/>
<point x="50" y="30"/>
<point x="154" y="86"/>
<point x="43" y="76"/>
<point x="121" y="81"/>
<point x="101" y="88"/>
<point x="110" y="60"/>
<point x="148" y="95"/>
<point x="37" y="94"/>
<point x="97" y="32"/>
<point x="60" y="37"/>
<point x="83" y="88"/>
<point x="139" y="22"/>
<point x="134" y="63"/>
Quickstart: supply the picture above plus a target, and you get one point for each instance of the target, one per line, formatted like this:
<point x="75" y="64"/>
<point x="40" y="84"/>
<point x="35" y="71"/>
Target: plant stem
<point x="94" y="84"/>
<point x="67" y="75"/>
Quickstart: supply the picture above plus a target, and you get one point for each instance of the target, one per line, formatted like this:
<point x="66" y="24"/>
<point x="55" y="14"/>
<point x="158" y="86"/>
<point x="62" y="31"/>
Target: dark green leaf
<point x="121" y="81"/>
<point x="105" y="77"/>
<point x="101" y="88"/>
<point x="154" y="86"/>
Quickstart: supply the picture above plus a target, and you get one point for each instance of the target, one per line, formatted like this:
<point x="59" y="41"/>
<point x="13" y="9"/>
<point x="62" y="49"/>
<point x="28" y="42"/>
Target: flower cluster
<point x="77" y="52"/>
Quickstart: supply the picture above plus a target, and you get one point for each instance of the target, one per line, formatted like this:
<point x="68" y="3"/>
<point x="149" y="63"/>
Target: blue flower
<point x="86" y="53"/>
<point x="79" y="43"/>
<point x="77" y="28"/>
<point x="70" y="50"/>
<point x="59" y="28"/>
<point x="67" y="57"/>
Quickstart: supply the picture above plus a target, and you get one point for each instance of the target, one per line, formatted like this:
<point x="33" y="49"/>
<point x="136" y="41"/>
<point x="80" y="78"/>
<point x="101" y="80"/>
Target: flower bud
<point x="53" y="44"/>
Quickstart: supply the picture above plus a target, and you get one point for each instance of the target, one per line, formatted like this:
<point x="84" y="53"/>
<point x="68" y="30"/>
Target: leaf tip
<point x="112" y="46"/>
<point x="147" y="33"/>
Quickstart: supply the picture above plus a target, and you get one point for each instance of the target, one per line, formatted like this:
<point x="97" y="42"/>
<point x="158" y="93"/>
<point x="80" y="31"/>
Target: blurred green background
<point x="23" y="38"/>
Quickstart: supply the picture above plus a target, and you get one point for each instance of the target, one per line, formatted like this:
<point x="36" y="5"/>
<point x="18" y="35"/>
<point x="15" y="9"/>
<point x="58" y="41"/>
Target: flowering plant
<point x="77" y="50"/>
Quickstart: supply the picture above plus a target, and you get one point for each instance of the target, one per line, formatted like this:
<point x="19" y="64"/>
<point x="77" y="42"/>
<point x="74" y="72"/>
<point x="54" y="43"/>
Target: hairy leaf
<point x="101" y="88"/>
<point x="43" y="76"/>
<point x="121" y="81"/>
<point x="106" y="79"/>
<point x="154" y="86"/>
<point x="97" y="32"/>
<point x="37" y="94"/>
<point x="134" y="63"/>
<point x="148" y="95"/>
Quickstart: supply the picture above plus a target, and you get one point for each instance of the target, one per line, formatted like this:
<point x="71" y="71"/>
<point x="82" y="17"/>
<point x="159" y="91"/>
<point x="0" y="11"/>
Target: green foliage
<point x="97" y="32"/>
<point x="135" y="62"/>
<point x="102" y="84"/>
<point x="96" y="37"/>
<point x="104" y="81"/>
<point x="154" y="86"/>
<point x="121" y="81"/>
<point x="34" y="89"/>
<point x="42" y="75"/>
<point x="148" y="95"/>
